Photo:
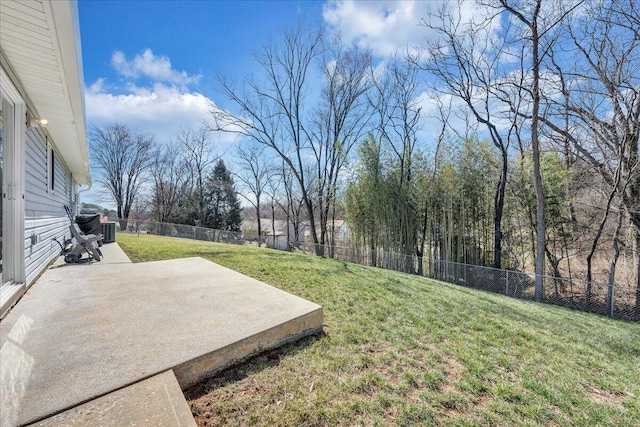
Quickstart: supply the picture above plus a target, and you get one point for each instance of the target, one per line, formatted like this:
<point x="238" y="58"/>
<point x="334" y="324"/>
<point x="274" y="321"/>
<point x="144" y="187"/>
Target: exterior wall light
<point x="35" y="122"/>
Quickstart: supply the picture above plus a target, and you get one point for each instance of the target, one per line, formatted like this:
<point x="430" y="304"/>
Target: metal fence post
<point x="506" y="290"/>
<point x="465" y="268"/>
<point x="612" y="299"/>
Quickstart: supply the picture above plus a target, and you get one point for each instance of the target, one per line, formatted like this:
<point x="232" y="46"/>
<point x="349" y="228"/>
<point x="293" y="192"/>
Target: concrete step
<point x="157" y="401"/>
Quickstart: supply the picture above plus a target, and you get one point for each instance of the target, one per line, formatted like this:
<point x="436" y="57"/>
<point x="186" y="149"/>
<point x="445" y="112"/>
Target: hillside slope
<point x="405" y="350"/>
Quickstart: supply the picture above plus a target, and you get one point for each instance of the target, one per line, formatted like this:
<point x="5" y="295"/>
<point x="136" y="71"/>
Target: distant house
<point x="274" y="233"/>
<point x="42" y="163"/>
<point x="339" y="227"/>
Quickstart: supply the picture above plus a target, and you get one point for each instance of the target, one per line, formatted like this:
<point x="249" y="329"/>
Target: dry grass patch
<point x="604" y="397"/>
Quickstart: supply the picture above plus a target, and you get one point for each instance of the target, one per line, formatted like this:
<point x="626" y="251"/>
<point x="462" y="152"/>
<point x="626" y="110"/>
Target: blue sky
<point x="153" y="64"/>
<point x="198" y="37"/>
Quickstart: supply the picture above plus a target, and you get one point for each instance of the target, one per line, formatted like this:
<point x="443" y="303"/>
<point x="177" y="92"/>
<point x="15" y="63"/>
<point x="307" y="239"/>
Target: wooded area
<point x="533" y="166"/>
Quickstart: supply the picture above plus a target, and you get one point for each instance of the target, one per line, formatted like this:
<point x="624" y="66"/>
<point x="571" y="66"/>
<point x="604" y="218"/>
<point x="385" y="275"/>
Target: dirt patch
<point x="604" y="397"/>
<point x="452" y="371"/>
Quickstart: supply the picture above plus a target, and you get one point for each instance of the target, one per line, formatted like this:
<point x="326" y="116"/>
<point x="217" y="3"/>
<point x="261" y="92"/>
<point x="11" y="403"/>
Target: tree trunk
<point x="637" y="251"/>
<point x="630" y="198"/>
<point x="273" y="224"/>
<point x="535" y="147"/>
<point x="123" y="217"/>
<point x="332" y="237"/>
<point x="259" y="223"/>
<point x="612" y="268"/>
<point x="288" y="225"/>
<point x="312" y="224"/>
<point x="555" y="266"/>
<point x="423" y="239"/>
<point x="498" y="210"/>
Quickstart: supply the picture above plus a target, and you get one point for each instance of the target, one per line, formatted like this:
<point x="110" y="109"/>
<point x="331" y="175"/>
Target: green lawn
<point x="405" y="350"/>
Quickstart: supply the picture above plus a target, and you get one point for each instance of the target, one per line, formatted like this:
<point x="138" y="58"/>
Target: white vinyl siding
<point x="45" y="217"/>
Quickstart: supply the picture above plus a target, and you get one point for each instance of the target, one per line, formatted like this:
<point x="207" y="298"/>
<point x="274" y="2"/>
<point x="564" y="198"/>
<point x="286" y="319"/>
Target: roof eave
<point x="64" y="18"/>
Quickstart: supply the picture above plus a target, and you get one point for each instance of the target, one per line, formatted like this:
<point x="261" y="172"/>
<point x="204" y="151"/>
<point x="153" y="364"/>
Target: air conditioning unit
<point x="108" y="232"/>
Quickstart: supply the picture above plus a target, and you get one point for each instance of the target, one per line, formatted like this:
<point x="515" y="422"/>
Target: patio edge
<point x="193" y="371"/>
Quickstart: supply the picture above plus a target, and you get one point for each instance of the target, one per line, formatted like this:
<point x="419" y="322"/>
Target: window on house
<point x="51" y="161"/>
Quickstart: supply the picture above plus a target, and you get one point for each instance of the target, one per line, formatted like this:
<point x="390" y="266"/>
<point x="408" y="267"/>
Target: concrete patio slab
<point x="85" y="330"/>
<point x="157" y="401"/>
<point x="112" y="254"/>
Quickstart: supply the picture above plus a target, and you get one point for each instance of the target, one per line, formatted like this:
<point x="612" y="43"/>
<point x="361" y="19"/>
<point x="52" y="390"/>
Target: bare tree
<point x="529" y="15"/>
<point x="171" y="181"/>
<point x="610" y="44"/>
<point x="313" y="143"/>
<point x="272" y="111"/>
<point x="342" y="120"/>
<point x="254" y="178"/>
<point x="122" y="159"/>
<point x="293" y="207"/>
<point x="466" y="62"/>
<point x="602" y="100"/>
<point x="534" y="37"/>
<point x="395" y="101"/>
<point x="272" y="190"/>
<point x="197" y="150"/>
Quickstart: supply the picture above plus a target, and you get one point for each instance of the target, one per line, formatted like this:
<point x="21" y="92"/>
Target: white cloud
<point x="383" y="26"/>
<point x="161" y="106"/>
<point x="159" y="110"/>
<point x="97" y="86"/>
<point x="156" y="68"/>
<point x="388" y="26"/>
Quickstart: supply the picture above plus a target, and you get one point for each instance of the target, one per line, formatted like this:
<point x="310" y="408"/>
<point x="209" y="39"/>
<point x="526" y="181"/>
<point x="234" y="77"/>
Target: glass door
<point x="9" y="235"/>
<point x="5" y="253"/>
<point x="1" y="187"/>
<point x="12" y="132"/>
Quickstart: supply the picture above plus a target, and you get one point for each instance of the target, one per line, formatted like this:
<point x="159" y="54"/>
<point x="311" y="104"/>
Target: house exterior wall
<point x="277" y="242"/>
<point x="33" y="88"/>
<point x="45" y="216"/>
<point x="13" y="136"/>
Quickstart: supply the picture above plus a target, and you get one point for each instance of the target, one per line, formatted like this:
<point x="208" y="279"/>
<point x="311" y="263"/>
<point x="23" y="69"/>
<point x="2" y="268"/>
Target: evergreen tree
<point x="222" y="204"/>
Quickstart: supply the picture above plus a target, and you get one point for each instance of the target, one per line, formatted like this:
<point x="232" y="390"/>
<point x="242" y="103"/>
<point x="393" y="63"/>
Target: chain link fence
<point x="187" y="232"/>
<point x="616" y="301"/>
